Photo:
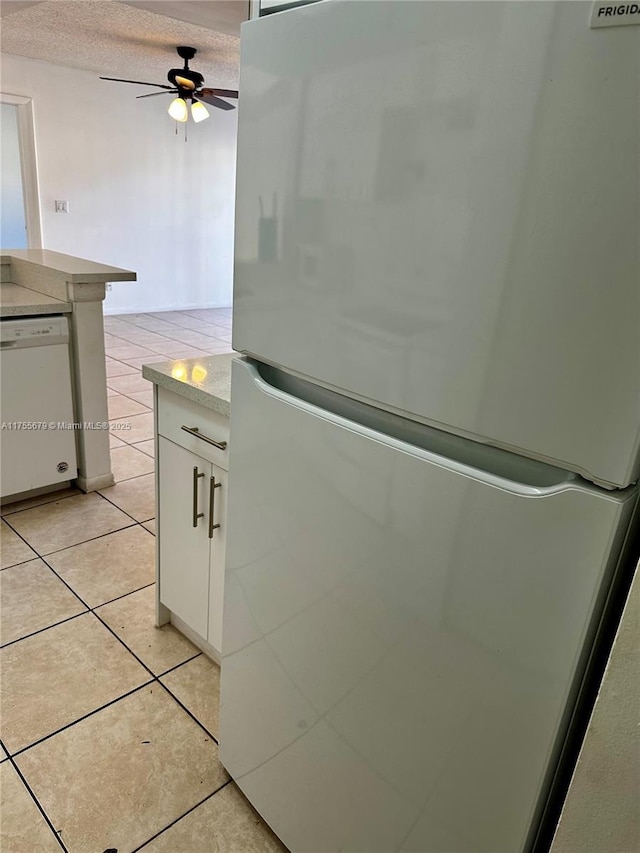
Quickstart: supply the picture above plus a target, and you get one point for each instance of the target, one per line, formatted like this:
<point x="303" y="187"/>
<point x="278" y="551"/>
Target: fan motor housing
<point x="185" y="52"/>
<point x="196" y="78"/>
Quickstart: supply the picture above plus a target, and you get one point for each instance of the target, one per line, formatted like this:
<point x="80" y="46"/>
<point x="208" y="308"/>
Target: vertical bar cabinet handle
<point x="212" y="491"/>
<point x="196" y="477"/>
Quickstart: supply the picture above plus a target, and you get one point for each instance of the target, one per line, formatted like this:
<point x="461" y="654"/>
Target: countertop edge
<point x="7" y="311"/>
<point x="41" y="304"/>
<point x="62" y="265"/>
<point x="213" y="391"/>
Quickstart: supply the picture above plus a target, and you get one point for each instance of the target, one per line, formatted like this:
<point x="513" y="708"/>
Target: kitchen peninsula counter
<point x="35" y="282"/>
<point x="19" y="301"/>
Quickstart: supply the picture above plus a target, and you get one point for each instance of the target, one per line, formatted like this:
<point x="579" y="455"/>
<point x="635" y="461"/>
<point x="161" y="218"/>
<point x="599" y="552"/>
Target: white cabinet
<point x="192" y="484"/>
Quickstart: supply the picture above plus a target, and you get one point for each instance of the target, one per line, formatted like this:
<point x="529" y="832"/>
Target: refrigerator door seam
<point x="562" y="480"/>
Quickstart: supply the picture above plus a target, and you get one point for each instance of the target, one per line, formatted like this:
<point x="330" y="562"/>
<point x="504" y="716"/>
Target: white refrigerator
<point x="435" y="426"/>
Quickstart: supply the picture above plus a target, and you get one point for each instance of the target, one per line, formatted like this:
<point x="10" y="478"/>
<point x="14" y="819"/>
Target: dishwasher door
<point x="38" y="436"/>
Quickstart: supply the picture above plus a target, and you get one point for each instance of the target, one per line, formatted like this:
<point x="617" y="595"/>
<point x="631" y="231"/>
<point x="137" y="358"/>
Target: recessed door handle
<point x="196" y="477"/>
<point x="212" y="495"/>
<point x="221" y="445"/>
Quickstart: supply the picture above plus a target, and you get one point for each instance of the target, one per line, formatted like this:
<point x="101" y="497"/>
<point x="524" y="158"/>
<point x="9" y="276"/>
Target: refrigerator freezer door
<point x="438" y="212"/>
<point x="400" y="638"/>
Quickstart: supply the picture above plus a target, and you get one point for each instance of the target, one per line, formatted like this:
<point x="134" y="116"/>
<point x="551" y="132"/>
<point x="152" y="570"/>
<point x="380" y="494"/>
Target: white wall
<point x="139" y="196"/>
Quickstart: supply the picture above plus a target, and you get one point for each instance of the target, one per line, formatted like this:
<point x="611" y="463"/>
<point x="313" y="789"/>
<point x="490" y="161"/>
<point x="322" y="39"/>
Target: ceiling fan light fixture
<point x="198" y="111"/>
<point x="178" y="109"/>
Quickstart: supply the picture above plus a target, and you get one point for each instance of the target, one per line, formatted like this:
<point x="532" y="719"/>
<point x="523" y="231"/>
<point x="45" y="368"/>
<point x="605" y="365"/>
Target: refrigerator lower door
<point x="403" y="635"/>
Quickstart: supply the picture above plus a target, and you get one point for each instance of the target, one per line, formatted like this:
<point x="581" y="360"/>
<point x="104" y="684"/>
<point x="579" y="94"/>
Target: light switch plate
<point x="62" y="206"/>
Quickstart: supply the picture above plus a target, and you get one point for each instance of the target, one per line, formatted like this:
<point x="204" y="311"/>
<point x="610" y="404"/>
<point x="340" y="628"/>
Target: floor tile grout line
<point x="154" y="678"/>
<point x="111" y="335"/>
<point x="139" y="660"/>
<point x="133" y="400"/>
<point x="226" y="322"/>
<point x="100" y="535"/>
<point x="92" y="610"/>
<point x="173" y="822"/>
<point x="158" y="676"/>
<point x="222" y="312"/>
<point x="135" y="520"/>
<point x="122" y="642"/>
<point x="21" y="563"/>
<point x="140" y="521"/>
<point x="35" y="506"/>
<point x="175" y="666"/>
<point x="148" y="352"/>
<point x="37" y="802"/>
<point x="133" y="414"/>
<point x="135" y="477"/>
<point x="60" y="578"/>
<point x="91" y="539"/>
<point x="124" y="594"/>
<point x="83" y="717"/>
<point x="88" y="608"/>
<point x="17" y="532"/>
<point x="216" y="340"/>
<point x="68" y="586"/>
<point x="190" y="713"/>
<point x="133" y="444"/>
<point x="180" y="344"/>
<point x="46" y="628"/>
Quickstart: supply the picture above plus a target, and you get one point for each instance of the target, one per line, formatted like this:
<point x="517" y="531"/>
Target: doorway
<point x="20" y="209"/>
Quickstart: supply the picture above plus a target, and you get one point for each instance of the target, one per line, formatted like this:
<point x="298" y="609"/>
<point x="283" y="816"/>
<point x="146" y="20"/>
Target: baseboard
<point x="196" y="639"/>
<point x="114" y="312"/>
<point x="94" y="483"/>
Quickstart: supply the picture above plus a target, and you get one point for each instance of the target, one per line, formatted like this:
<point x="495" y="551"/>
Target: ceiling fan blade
<point x="213" y="101"/>
<point x="138" y="82"/>
<point x="218" y="102"/>
<point x="153" y="94"/>
<point x="206" y="96"/>
<point x="223" y="93"/>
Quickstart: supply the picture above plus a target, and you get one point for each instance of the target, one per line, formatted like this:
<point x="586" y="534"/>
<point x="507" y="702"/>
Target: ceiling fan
<point x="187" y="85"/>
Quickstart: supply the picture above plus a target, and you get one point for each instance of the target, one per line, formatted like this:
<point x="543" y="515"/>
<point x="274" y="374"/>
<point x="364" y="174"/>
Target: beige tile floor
<point x="108" y="725"/>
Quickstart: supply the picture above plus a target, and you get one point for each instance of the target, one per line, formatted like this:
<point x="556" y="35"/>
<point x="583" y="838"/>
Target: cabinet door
<point x="218" y="508"/>
<point x="184" y="549"/>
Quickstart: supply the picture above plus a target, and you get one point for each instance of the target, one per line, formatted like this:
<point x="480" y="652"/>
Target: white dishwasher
<point x="38" y="443"/>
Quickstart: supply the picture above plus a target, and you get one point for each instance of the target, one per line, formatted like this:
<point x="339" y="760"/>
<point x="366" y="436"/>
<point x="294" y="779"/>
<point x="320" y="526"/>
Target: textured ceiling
<point x="123" y="40"/>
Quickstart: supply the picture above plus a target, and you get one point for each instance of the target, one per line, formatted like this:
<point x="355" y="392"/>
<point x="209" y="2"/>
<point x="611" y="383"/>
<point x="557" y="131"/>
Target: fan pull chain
<point x="176" y="128"/>
<point x="185" y="130"/>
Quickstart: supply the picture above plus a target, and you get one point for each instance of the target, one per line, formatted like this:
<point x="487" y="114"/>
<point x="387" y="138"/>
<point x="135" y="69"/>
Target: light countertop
<point x="206" y="380"/>
<point x="18" y="301"/>
<point x="70" y="268"/>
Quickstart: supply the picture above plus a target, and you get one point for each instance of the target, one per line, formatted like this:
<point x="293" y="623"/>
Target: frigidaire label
<point x="605" y="14"/>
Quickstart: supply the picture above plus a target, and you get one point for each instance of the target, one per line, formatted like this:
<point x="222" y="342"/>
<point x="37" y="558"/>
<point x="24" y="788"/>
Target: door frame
<point x="28" y="166"/>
